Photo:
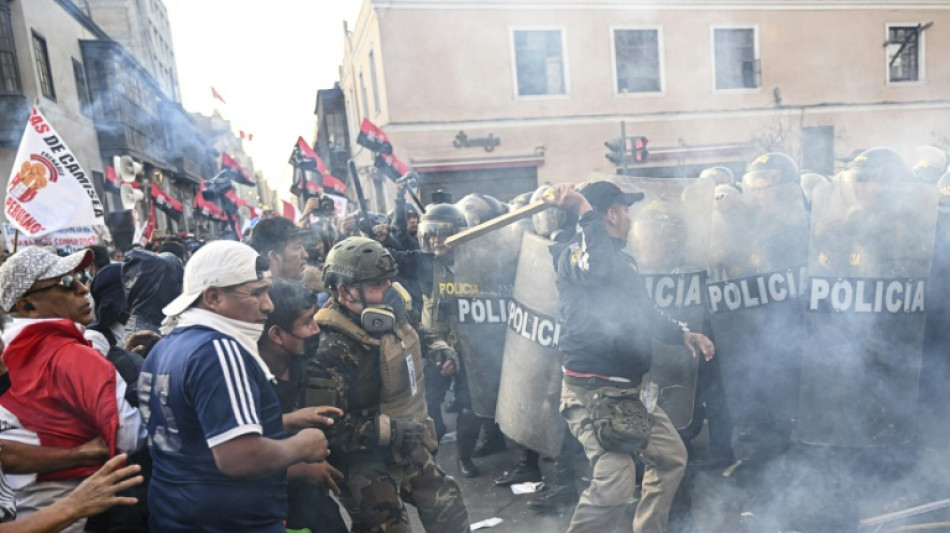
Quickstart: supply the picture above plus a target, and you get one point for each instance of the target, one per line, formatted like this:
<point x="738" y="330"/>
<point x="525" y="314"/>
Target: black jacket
<point x="608" y="321"/>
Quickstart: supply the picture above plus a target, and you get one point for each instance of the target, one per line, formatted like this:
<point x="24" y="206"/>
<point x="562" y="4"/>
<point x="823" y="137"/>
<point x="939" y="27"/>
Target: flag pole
<point x="16" y="239"/>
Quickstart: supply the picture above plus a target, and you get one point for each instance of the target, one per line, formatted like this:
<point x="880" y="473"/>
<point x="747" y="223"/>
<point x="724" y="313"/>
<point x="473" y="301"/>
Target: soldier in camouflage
<point x="369" y="364"/>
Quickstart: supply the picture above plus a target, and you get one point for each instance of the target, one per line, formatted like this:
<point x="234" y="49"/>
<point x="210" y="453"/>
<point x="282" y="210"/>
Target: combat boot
<point x="558" y="499"/>
<point x="491" y="442"/>
<point x="562" y="495"/>
<point x="527" y="470"/>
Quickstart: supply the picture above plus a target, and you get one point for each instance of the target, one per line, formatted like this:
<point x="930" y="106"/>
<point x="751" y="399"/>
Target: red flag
<point x="242" y="134"/>
<point x="373" y="138"/>
<point x="332" y="183"/>
<point x="237" y="200"/>
<point x="250" y="136"/>
<point x="236" y="173"/>
<point x="215" y="94"/>
<point x="391" y="166"/>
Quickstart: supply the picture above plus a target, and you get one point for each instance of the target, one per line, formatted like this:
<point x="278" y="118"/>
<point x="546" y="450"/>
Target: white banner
<point x="48" y="190"/>
<point x="67" y="240"/>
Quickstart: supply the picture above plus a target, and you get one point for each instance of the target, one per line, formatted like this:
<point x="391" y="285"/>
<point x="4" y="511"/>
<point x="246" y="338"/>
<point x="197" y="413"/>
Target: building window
<point x="539" y="62"/>
<point x="9" y="73"/>
<point x="637" y="60"/>
<point x="904" y="47"/>
<point x="42" y="67"/>
<point x="85" y="101"/>
<point x="363" y="95"/>
<point x="372" y="80"/>
<point x="735" y="56"/>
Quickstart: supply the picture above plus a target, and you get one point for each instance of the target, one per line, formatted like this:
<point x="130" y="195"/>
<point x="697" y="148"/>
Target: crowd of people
<point x="261" y="386"/>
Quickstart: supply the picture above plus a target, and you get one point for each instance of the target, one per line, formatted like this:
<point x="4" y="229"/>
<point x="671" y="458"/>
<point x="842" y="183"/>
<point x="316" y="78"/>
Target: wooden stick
<point x="16" y="239"/>
<point x="929" y="526"/>
<point x="497" y="222"/>
<point x="920" y="509"/>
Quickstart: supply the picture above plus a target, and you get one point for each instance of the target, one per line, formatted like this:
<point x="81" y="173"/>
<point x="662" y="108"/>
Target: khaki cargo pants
<point x="613" y="481"/>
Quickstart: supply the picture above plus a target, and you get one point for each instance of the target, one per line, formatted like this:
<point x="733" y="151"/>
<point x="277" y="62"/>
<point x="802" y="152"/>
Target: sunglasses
<point x="68" y="282"/>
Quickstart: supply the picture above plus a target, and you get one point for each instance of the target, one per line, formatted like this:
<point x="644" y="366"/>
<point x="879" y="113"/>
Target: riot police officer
<point x="369" y="364"/>
<point x="440" y="222"/>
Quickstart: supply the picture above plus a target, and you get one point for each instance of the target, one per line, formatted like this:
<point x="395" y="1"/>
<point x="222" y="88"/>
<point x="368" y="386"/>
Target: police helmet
<point x="355" y="260"/>
<point x="719" y="175"/>
<point x="479" y="208"/>
<point x="552" y="220"/>
<point x="931" y="162"/>
<point x="440" y="220"/>
<point x="877" y="165"/>
<point x="809" y="181"/>
<point x="943" y="191"/>
<point x="769" y="170"/>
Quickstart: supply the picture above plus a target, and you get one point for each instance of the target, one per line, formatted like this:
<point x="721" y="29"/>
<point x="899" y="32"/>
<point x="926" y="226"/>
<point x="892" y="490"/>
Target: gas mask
<point x="382" y="318"/>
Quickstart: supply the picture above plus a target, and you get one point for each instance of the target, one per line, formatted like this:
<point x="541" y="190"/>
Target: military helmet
<point x="769" y="170"/>
<point x="479" y="208"/>
<point x="440" y="220"/>
<point x="719" y="175"/>
<point x="357" y="259"/>
<point x="878" y="165"/>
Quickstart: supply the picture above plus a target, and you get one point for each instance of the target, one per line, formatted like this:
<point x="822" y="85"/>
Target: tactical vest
<point x="402" y="393"/>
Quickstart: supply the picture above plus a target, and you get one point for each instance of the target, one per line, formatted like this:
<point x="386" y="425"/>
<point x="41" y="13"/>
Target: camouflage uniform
<point x="378" y="480"/>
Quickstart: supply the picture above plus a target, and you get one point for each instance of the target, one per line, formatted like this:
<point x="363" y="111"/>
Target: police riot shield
<point x="669" y="239"/>
<point x="484" y="276"/>
<point x="869" y="260"/>
<point x="754" y="285"/>
<point x="531" y="374"/>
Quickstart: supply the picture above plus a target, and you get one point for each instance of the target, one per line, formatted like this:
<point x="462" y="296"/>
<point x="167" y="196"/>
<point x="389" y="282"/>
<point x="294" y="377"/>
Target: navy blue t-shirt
<point x="200" y="388"/>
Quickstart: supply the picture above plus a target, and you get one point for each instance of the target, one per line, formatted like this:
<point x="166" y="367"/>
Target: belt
<point x="596" y="383"/>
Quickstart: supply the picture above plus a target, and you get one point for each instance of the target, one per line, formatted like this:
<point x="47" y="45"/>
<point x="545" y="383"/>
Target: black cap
<point x="603" y="194"/>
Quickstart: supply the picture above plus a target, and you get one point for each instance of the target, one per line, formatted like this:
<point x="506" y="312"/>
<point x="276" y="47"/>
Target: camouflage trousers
<point x="374" y="494"/>
<point x="613" y="481"/>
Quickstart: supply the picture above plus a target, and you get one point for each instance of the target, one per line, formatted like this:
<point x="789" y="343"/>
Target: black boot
<point x="559" y="499"/>
<point x="467" y="426"/>
<point x="562" y="495"/>
<point x="492" y="441"/>
<point x="527" y="470"/>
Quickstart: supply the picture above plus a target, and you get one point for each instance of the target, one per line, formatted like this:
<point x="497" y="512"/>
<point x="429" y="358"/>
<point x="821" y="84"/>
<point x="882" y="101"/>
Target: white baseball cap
<point x="26" y="267"/>
<point x="217" y="264"/>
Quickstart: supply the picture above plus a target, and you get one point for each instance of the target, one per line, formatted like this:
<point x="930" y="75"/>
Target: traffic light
<point x="618" y="151"/>
<point x="640" y="152"/>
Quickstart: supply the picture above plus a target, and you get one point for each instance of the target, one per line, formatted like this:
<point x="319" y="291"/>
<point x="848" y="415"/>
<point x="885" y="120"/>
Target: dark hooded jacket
<point x="608" y="320"/>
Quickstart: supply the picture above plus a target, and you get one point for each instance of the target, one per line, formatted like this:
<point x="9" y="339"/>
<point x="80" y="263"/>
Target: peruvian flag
<point x="373" y="138"/>
<point x="48" y="189"/>
<point x="234" y="170"/>
<point x="290" y="211"/>
<point x="216" y="95"/>
<point x="391" y="166"/>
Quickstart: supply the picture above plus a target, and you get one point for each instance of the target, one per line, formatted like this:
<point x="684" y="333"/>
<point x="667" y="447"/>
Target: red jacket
<point x="62" y="389"/>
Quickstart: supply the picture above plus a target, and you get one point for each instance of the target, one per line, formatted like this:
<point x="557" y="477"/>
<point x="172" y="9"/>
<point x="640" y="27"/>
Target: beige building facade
<point x="500" y="96"/>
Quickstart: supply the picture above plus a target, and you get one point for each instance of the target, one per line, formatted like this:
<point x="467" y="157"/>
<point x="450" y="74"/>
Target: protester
<point x="55" y="368"/>
<point x="214" y="421"/>
<point x="286" y="332"/>
<point x="281" y="242"/>
<point x="608" y="324"/>
<point x="151" y="281"/>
